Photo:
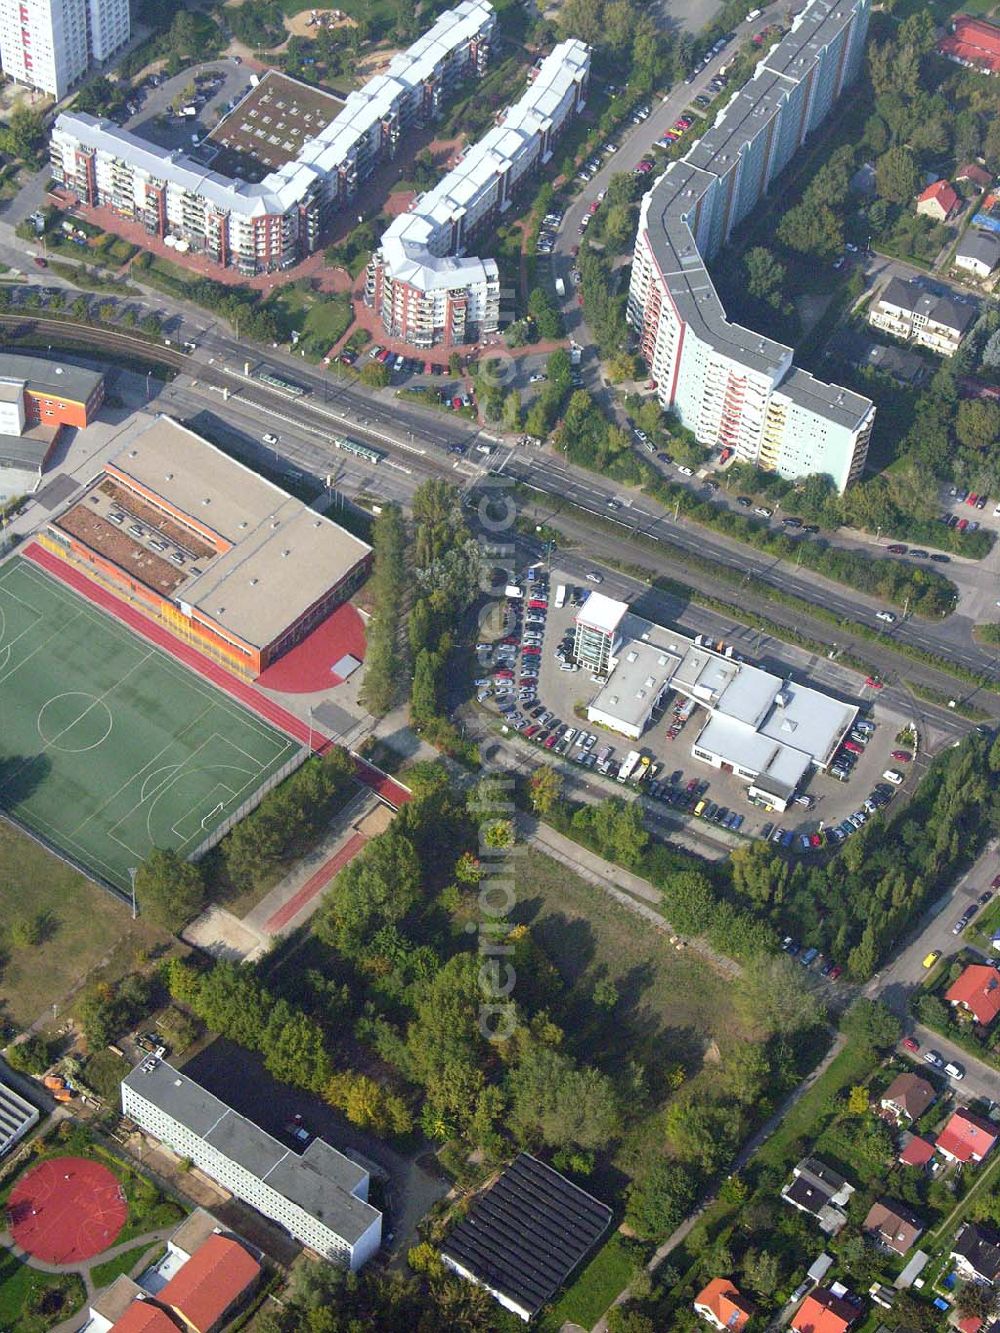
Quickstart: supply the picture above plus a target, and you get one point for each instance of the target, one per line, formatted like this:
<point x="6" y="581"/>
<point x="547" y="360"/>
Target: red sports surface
<point x="66" y="1210"/>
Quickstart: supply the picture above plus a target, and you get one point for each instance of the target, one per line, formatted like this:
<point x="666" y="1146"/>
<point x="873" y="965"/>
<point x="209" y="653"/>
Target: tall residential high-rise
<point x="50" y="44"/>
<point x="733" y="387"/>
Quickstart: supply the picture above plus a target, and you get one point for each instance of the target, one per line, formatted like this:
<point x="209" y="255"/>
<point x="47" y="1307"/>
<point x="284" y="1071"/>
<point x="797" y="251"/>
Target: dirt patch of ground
<point x="302" y="25"/>
<point x="375" y="62"/>
<point x="399" y="202"/>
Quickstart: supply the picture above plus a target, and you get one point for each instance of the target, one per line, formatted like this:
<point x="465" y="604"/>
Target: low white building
<point x="768" y="731"/>
<point x="320" y="1197"/>
<point x="909" y="311"/>
<point x="978" y="252"/>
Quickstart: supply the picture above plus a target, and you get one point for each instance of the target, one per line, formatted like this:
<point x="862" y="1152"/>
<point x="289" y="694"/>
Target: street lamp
<point x="132" y="870"/>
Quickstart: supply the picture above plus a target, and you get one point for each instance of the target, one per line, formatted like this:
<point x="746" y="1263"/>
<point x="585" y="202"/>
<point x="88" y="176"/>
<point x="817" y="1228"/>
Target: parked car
<point x="932" y="958"/>
<point x="892" y="776"/>
<point x="911" y="1044"/>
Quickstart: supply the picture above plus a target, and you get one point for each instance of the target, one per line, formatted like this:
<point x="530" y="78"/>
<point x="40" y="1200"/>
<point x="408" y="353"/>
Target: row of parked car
<point x="808" y="957"/>
<point x="547" y="231"/>
<point x="404" y="365"/>
<point x="851" y="750"/>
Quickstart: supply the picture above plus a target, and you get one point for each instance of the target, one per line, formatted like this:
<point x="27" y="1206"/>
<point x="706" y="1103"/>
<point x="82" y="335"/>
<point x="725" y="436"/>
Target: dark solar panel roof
<point x="525" y="1236"/>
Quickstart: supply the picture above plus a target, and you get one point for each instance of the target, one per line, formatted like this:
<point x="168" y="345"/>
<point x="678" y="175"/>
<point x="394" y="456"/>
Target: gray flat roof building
<point x="319" y="1197"/>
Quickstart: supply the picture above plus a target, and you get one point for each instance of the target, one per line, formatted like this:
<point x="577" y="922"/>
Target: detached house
<point x="974" y="175"/>
<point x="818" y="1190"/>
<point x="907" y="1097"/>
<point x="824" y="1312"/>
<point x="911" y="312"/>
<point x="892" y="1225"/>
<point x="966" y="1137"/>
<point x="938" y="202"/>
<point x="722" y="1306"/>
<point x="976" y="1254"/>
<point x="978" y="252"/>
<point x="977" y="991"/>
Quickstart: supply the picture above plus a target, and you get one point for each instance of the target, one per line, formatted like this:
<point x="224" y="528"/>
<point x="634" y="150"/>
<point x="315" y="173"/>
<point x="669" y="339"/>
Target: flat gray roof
<point x="674" y="198"/>
<point x="284" y="556"/>
<point x="642" y="672"/>
<point x="44" y="375"/>
<point x="321" y="1181"/>
<point x="24" y="451"/>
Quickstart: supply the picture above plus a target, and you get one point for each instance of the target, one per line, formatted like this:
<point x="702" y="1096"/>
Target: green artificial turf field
<point x="108" y="747"/>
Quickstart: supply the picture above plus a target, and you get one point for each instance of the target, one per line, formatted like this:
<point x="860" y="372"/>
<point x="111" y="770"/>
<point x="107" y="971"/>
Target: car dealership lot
<point x="542" y="698"/>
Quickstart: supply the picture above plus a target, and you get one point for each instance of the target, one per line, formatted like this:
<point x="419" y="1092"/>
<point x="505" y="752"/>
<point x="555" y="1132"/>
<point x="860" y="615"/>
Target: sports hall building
<point x="226" y="560"/>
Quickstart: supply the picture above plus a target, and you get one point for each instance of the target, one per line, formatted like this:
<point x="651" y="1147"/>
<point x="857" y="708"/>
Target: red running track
<point x="315" y="883"/>
<point x="66" y="1210"/>
<point x="394" y="793"/>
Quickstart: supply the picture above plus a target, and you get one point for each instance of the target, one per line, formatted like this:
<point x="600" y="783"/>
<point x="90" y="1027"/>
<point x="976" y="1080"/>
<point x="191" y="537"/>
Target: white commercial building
<point x="731" y="386"/>
<point x="424" y="289"/>
<point x="320" y="1197"/>
<point x="17" y="1116"/>
<point x="766" y="730"/>
<point x="270" y="225"/>
<point x="50" y="44"/>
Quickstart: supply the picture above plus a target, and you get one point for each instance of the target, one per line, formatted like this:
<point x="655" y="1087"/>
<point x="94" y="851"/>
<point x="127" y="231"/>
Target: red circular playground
<point x="66" y="1210"/>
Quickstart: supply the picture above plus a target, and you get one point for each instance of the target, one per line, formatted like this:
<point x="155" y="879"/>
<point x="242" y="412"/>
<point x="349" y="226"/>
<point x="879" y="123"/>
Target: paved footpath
<point x="296" y="897"/>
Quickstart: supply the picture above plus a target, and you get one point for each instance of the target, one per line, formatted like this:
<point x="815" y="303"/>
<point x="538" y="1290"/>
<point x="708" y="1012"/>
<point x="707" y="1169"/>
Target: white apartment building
<point x="320" y="1197"/>
<point x="50" y="44"/>
<point x="423" y="287"/>
<point x="258" y="228"/>
<point x="729" y="385"/>
<point x="17" y="1117"/>
<point x="911" y="312"/>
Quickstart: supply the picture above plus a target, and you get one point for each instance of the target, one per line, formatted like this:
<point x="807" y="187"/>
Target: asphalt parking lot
<point x="153" y="120"/>
<point x="536" y="680"/>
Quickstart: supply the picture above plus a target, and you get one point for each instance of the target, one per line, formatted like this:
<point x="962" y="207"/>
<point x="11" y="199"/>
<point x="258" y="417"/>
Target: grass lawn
<point x="85" y="925"/>
<point x="318" y="319"/>
<point x="594" y="1290"/>
<point x="815" y="1109"/>
<point x="668" y="1000"/>
<point x="102" y="1275"/>
<point x="31" y="1301"/>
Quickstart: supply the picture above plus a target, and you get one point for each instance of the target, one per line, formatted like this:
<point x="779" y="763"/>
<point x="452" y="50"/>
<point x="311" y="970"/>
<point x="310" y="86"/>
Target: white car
<point x="269" y="439"/>
<point x="594" y="577"/>
<point x="686" y="471"/>
<point x="568" y="666"/>
<point x="537" y="378"/>
<point x="892" y="776"/>
<point x="887" y="616"/>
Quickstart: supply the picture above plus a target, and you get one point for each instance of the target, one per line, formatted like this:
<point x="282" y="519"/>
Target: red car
<point x="971" y="498"/>
<point x="835" y="971"/>
<point x="873" y="682"/>
<point x="852" y="747"/>
<point x="815" y="840"/>
<point x="903" y="756"/>
<point x="538" y="604"/>
<point x="726" y="455"/>
<point x="504" y="674"/>
<point x="911" y="1044"/>
<point x="996" y="882"/>
<point x="963" y="523"/>
<point x="40" y="262"/>
<point x="594" y="206"/>
<point x="550" y="742"/>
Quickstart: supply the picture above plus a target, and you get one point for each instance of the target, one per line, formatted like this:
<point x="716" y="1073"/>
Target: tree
<point x="896" y="175"/>
<point x="871" y="1022"/>
<point x="991" y="352"/>
<point x="977" y="424"/>
<point x="375" y="375"/>
<point x="661" y="1194"/>
<point x="857" y="1100"/>
<point x="169" y="889"/>
<point x="605" y="994"/>
<point x="772" y="991"/>
<point x="762" y="1271"/>
<point x="765" y="275"/>
<point x="424" y="695"/>
<point x="545" y="789"/>
<point x="976" y="1301"/>
<point x="30" y="1056"/>
<point x="622" y="366"/>
<point x="558" y="1104"/>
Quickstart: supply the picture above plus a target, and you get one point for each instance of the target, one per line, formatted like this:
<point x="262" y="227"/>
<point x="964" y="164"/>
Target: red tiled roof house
<point x="977" y="991"/>
<point x="966" y="1137"/>
<point x="822" y="1312"/>
<point x="973" y="42"/>
<point x="722" y="1306"/>
<point x="938" y="202"/>
<point x="209" y="1288"/>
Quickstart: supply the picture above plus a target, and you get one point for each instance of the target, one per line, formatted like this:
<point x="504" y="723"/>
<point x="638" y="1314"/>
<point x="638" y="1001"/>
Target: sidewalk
<point x="296" y="897"/>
